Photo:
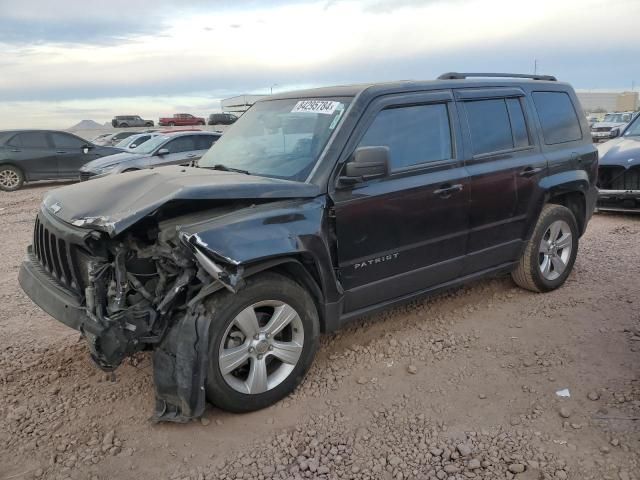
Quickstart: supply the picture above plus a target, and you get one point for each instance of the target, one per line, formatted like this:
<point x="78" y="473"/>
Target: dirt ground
<point x="462" y="385"/>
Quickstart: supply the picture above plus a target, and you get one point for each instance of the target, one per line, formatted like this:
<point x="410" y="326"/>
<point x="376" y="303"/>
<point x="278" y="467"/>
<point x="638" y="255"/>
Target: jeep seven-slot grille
<point x="618" y="178"/>
<point x="55" y="255"/>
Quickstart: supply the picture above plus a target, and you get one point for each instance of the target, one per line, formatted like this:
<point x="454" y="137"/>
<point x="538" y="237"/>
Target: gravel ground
<point x="459" y="386"/>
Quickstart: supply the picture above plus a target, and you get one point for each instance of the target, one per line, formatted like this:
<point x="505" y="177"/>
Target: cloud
<point x="128" y="50"/>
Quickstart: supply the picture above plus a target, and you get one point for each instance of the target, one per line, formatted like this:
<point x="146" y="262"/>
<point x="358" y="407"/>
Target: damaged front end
<point x="142" y="290"/>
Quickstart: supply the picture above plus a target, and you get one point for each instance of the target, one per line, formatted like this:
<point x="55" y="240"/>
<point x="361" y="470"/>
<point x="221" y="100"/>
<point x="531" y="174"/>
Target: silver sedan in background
<point x="179" y="148"/>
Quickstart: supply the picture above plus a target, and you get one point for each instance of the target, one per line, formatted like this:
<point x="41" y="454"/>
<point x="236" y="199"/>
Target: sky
<point x="64" y="61"/>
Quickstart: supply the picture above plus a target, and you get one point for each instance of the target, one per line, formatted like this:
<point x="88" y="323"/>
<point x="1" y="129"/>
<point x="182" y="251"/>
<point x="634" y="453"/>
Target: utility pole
<point x="274" y="85"/>
<point x="535" y="66"/>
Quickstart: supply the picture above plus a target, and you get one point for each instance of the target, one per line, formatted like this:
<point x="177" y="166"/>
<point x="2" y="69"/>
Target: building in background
<point x="609" y="101"/>
<point x="239" y="104"/>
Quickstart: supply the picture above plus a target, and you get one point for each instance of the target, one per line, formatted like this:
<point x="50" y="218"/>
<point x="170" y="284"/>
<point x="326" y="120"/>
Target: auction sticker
<point x="325" y="107"/>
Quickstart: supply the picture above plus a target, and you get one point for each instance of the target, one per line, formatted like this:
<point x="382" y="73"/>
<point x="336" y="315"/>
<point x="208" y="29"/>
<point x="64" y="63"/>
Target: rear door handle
<point x="60" y="151"/>
<point x="530" y="171"/>
<point x="191" y="155"/>
<point x="446" y="190"/>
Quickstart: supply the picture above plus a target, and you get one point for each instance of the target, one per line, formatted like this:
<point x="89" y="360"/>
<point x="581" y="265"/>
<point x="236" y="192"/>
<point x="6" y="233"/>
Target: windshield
<point x="617" y="117"/>
<point x="633" y="130"/>
<point x="151" y="144"/>
<point x="278" y="138"/>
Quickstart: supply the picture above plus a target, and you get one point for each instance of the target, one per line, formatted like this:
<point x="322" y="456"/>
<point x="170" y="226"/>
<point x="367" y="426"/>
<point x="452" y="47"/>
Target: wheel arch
<point x="14" y="164"/>
<point x="302" y="269"/>
<point x="569" y="189"/>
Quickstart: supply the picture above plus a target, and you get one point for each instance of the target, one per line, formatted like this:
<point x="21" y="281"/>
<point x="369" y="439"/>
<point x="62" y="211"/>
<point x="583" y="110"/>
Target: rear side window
<point x="414" y="135"/>
<point x="557" y="116"/>
<point x="30" y="140"/>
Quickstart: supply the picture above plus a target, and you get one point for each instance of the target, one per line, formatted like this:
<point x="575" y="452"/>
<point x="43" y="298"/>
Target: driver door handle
<point x="446" y="190"/>
<point x="60" y="151"/>
<point x="530" y="171"/>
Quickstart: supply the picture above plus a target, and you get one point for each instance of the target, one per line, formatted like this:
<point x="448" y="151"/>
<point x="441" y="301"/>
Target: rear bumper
<point x="59" y="302"/>
<point x="619" y="200"/>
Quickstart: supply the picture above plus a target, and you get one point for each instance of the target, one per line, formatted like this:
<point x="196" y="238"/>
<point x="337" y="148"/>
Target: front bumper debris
<point x="619" y="200"/>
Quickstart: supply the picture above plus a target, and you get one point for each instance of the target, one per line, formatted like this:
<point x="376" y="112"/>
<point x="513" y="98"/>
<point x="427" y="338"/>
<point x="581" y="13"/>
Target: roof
<point x="406" y="86"/>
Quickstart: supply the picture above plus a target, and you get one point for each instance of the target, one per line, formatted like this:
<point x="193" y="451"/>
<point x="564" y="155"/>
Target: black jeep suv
<point x="317" y="207"/>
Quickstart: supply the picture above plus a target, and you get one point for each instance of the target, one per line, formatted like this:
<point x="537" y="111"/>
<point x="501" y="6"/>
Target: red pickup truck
<point x="181" y="119"/>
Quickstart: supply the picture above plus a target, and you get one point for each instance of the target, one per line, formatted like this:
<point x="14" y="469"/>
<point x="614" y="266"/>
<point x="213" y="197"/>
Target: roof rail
<point x="462" y="76"/>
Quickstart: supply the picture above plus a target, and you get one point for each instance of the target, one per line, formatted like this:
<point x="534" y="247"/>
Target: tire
<point x="540" y="268"/>
<point x="270" y="292"/>
<point x="11" y="178"/>
<point x="171" y="124"/>
<point x="148" y="124"/>
<point x="201" y="123"/>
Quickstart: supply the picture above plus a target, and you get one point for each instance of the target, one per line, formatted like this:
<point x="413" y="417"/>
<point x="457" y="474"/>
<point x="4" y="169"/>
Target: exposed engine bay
<point x="146" y="291"/>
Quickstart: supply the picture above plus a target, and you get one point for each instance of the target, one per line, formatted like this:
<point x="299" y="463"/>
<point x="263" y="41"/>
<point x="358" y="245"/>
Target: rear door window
<point x="558" y="117"/>
<point x="489" y="125"/>
<point x="496" y="125"/>
<point x="415" y="135"/>
<point x="30" y="140"/>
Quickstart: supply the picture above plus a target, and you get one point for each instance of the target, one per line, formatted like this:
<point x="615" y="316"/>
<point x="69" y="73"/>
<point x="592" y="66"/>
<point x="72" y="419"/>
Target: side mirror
<point x="86" y="148"/>
<point x="366" y="163"/>
<point x="614" y="132"/>
<point x="163" y="151"/>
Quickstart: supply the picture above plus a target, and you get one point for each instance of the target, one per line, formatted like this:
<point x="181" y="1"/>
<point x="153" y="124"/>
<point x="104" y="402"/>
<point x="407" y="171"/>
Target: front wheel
<point x="551" y="251"/>
<point x="262" y="342"/>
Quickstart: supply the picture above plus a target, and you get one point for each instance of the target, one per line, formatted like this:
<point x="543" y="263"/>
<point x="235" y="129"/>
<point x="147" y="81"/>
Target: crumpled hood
<point x="623" y="151"/>
<point x="102" y="162"/>
<point x="116" y="202"/>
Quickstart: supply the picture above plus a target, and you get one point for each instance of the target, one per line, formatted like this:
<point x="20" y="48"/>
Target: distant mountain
<point x="86" y="125"/>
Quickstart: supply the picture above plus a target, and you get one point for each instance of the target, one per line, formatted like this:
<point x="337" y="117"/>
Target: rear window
<point x="558" y="117"/>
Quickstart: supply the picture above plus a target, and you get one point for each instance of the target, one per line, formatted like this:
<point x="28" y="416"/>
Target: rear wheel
<point x="172" y="124"/>
<point x="11" y="178"/>
<point x="262" y="342"/>
<point x="551" y="252"/>
<point x="124" y="125"/>
<point x="148" y="124"/>
<point x="200" y="123"/>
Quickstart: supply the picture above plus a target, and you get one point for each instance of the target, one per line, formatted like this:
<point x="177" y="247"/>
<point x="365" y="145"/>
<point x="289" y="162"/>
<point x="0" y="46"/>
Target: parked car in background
<point x="100" y="138"/>
<point x="114" y="138"/>
<point x="181" y="120"/>
<point x="222" y="119"/>
<point x="29" y="155"/>
<point x="180" y="148"/>
<point x="380" y="195"/>
<point x="600" y="130"/>
<point x="125" y="121"/>
<point x="135" y="141"/>
<point x="619" y="171"/>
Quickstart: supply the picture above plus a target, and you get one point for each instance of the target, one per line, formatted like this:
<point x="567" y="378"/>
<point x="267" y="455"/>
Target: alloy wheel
<point x="9" y="178"/>
<point x="555" y="250"/>
<point x="261" y="347"/>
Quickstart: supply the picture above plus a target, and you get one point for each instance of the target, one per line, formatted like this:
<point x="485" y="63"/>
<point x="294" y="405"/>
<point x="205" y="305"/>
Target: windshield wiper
<point x="224" y="168"/>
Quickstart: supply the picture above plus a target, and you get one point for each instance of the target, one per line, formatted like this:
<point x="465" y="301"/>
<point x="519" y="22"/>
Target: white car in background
<point x="600" y="130"/>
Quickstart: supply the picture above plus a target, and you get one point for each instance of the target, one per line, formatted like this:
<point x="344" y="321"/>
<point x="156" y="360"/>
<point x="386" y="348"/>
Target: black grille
<point x="601" y="129"/>
<point x="55" y="255"/>
<point x="618" y="178"/>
